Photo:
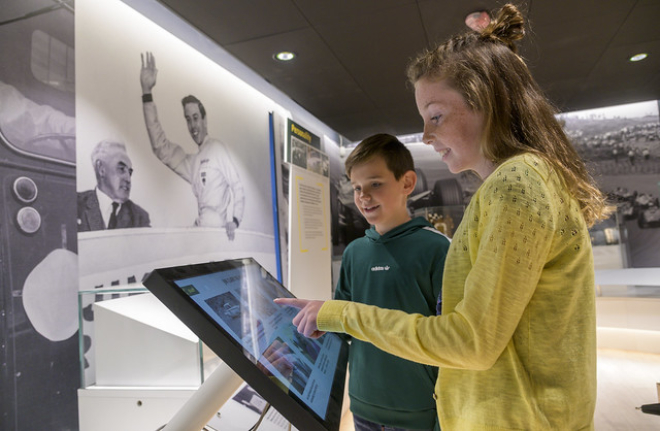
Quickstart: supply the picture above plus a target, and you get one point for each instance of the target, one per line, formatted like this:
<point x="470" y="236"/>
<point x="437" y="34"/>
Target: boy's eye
<point x="375" y="185"/>
<point x="435" y="118"/>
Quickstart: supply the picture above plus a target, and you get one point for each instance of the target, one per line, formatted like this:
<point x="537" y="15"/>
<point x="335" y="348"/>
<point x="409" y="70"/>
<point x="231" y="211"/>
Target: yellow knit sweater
<point x="516" y="341"/>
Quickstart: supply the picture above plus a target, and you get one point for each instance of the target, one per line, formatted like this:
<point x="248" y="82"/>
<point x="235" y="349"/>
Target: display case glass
<point x="128" y="339"/>
<point x="444" y="218"/>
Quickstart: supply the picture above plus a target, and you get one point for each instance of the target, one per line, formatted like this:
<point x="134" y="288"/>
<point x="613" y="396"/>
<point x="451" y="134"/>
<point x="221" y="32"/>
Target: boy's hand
<point x="305" y="320"/>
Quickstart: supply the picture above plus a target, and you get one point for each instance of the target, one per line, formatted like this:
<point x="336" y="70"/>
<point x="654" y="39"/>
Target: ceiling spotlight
<point x="477" y="21"/>
<point x="639" y="57"/>
<point x="285" y="56"/>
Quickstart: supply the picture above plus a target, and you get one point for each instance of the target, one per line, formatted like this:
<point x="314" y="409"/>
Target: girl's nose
<point x="427" y="136"/>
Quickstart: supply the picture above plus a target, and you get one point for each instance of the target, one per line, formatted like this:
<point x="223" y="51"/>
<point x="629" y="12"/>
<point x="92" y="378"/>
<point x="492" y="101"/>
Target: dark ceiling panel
<point x="350" y="72"/>
<point x="315" y="79"/>
<point x="231" y="21"/>
<point x="336" y="11"/>
<point x="377" y="59"/>
<point x="616" y="80"/>
<point x="641" y="25"/>
<point x="569" y="51"/>
<point x="558" y="12"/>
<point x="562" y="91"/>
<point x="363" y="124"/>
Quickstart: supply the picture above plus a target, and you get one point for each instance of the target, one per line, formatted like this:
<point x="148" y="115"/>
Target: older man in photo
<point x="108" y="206"/>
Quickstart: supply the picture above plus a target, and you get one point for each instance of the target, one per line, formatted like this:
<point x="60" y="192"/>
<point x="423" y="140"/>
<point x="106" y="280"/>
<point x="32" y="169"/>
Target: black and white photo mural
<point x="621" y="145"/>
<point x="173" y="160"/>
<point x="39" y="372"/>
<point x="186" y="151"/>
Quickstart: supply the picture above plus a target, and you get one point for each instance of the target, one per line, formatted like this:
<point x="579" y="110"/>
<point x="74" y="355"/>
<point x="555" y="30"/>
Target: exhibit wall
<point x="71" y="79"/>
<point x="39" y="372"/>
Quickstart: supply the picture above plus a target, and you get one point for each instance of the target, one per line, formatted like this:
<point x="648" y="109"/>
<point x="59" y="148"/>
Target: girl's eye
<point x="435" y="118"/>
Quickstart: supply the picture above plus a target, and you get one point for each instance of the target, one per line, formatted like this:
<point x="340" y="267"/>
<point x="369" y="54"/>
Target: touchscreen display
<point x="237" y="296"/>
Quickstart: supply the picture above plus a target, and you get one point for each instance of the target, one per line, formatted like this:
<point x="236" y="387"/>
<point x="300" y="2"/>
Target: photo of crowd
<point x="621" y="145"/>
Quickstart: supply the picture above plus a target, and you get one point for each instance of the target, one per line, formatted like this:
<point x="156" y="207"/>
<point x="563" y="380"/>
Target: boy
<point x="398" y="265"/>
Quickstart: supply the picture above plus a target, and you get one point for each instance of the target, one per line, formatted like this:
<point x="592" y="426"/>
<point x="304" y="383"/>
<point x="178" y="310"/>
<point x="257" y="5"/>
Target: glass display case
<point x="127" y="338"/>
<point x="444" y="218"/>
<point x="615" y="274"/>
<point x="139" y="364"/>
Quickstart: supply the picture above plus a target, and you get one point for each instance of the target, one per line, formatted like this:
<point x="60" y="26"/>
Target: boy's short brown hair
<point x="397" y="157"/>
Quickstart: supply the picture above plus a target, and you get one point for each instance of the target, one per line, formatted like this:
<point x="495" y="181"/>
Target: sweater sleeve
<point x="508" y="241"/>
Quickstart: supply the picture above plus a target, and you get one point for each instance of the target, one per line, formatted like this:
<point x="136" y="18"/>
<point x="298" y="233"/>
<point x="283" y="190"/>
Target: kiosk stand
<point x="206" y="401"/>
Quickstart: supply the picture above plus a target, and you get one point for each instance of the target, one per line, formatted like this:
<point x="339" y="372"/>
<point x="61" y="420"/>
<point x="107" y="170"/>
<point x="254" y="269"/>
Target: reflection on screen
<point x="240" y="300"/>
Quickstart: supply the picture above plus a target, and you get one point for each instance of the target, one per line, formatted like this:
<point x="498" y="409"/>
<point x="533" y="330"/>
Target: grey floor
<point x="626" y="380"/>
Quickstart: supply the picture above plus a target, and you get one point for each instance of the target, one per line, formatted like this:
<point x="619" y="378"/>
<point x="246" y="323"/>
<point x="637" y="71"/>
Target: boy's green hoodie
<point x="401" y="269"/>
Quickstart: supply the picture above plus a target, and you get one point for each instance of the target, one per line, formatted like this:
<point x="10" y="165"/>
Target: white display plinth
<point x="139" y="342"/>
<point x="129" y="409"/>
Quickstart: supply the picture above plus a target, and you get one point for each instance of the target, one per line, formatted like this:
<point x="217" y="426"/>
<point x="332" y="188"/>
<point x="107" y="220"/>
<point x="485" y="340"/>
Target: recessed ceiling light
<point x="285" y="56"/>
<point x="639" y="57"/>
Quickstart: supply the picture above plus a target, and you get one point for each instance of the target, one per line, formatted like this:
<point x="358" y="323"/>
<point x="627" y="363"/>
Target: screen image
<point x="230" y="303"/>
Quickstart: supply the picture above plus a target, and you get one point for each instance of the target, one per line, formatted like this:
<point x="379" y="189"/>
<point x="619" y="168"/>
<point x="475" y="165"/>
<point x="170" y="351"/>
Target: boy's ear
<point x="409" y="181"/>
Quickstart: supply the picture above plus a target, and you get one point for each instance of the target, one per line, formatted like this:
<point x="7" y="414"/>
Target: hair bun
<point x="506" y="27"/>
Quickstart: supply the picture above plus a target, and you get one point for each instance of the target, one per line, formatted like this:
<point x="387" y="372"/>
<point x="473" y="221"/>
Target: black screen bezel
<point x="162" y="283"/>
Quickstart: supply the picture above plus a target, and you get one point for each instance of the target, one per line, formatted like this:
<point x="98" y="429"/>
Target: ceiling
<point x="351" y="54"/>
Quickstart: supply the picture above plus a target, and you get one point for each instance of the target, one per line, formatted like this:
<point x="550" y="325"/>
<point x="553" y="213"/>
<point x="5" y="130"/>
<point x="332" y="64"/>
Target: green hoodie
<point x="399" y="270"/>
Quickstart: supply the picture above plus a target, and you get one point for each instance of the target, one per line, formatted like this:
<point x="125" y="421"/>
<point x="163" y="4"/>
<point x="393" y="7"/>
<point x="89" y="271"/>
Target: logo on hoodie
<point x="380" y="268"/>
